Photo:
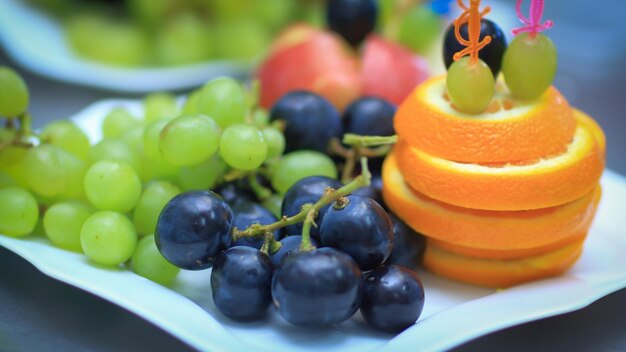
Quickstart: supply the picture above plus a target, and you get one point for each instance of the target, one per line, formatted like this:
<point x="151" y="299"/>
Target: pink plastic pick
<point x="532" y="25"/>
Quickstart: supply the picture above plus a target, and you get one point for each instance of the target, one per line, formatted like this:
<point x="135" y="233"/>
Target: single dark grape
<point x="248" y="213"/>
<point x="370" y="191"/>
<point x="241" y="283"/>
<point x="193" y="228"/>
<point x="234" y="192"/>
<point x="290" y="247"/>
<point x="393" y="298"/>
<point x="491" y="54"/>
<point x="352" y="19"/>
<point x="360" y="227"/>
<point x="310" y="121"/>
<point x="408" y="245"/>
<point x="307" y="190"/>
<point x="369" y="116"/>
<point x="317" y="288"/>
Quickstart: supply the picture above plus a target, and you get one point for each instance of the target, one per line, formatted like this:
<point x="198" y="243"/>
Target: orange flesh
<point x="546" y="183"/>
<point x="501" y="273"/>
<point x="484" y="233"/>
<point x="508" y="132"/>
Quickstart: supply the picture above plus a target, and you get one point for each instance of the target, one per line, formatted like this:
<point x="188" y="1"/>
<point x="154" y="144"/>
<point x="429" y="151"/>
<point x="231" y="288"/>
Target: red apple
<point x="304" y="57"/>
<point x="390" y="71"/>
<point x="310" y="59"/>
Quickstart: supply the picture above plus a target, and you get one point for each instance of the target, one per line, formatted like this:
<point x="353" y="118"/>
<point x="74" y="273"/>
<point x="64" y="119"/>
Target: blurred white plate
<point x="36" y="41"/>
<point x="454" y="313"/>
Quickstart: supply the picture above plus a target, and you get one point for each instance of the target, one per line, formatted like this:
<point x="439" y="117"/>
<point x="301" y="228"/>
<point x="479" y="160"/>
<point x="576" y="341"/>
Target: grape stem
<point x="270" y="245"/>
<point x="360" y="146"/>
<point x="261" y="192"/>
<point x="307" y="214"/>
<point x="24" y="132"/>
<point x="368" y="141"/>
<point x="331" y="195"/>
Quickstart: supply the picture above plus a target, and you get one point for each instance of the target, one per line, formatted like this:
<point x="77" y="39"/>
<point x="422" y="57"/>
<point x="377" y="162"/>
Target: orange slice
<point x="506" y="254"/>
<point x="508" y="131"/>
<point x="487" y="233"/>
<point x="500" y="273"/>
<point x="536" y="184"/>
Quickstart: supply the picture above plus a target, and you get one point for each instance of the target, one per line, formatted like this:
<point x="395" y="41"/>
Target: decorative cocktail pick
<point x="533" y="22"/>
<point x="469" y="82"/>
<point x="472" y="16"/>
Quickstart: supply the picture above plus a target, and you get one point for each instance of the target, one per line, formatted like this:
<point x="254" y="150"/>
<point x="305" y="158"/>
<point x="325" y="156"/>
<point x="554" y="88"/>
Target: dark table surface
<point x="39" y="313"/>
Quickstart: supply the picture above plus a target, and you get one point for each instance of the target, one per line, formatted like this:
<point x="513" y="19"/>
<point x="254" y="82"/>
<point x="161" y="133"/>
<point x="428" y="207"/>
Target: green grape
<point x="275" y="142"/>
<point x="13" y="93"/>
<point x="202" y="176"/>
<point x="260" y="118"/>
<point x="12" y="163"/>
<point x="274" y="204"/>
<point x="6" y="135"/>
<point x="150" y="13"/>
<point x="75" y="170"/>
<point x="470" y="86"/>
<point x="110" y="185"/>
<point x="419" y="28"/>
<point x="112" y="42"/>
<point x="275" y="14"/>
<point x="229" y="9"/>
<point x="151" y="140"/>
<point x="223" y="100"/>
<point x="108" y="238"/>
<point x="243" y="147"/>
<point x="159" y="106"/>
<point x="297" y="165"/>
<point x="157" y="169"/>
<point x="243" y="38"/>
<point x="117" y="122"/>
<point x="62" y="223"/>
<point x="148" y="262"/>
<point x="189" y="140"/>
<point x="191" y="103"/>
<point x="184" y="39"/>
<point x="150" y="204"/>
<point x="386" y="9"/>
<point x="6" y="180"/>
<point x="529" y="65"/>
<point x="67" y="135"/>
<point x="18" y="212"/>
<point x="45" y="170"/>
<point x="134" y="139"/>
<point x="114" y="150"/>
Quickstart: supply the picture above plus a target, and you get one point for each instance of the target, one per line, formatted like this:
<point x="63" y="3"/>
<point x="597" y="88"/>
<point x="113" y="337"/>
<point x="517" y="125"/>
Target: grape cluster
<point x="218" y="182"/>
<point x="313" y="279"/>
<point x="330" y="249"/>
<point x="178" y="32"/>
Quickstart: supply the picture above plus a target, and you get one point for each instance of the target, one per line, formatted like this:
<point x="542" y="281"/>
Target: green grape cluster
<point x="104" y="199"/>
<point x="179" y="32"/>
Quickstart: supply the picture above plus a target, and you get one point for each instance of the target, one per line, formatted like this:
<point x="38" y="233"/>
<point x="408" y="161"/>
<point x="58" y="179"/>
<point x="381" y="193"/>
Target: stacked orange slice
<point x="504" y="197"/>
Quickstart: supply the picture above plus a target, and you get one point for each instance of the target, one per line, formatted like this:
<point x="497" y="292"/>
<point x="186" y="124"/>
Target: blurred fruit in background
<point x="137" y="33"/>
<point x="352" y="60"/>
<point x="152" y="33"/>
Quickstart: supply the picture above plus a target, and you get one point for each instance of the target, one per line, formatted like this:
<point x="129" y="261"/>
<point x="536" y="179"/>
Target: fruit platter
<point x="343" y="197"/>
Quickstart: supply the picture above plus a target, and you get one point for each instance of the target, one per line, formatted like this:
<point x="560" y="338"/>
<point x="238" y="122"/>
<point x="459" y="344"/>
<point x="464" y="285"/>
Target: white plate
<point x="454" y="313"/>
<point x="36" y="41"/>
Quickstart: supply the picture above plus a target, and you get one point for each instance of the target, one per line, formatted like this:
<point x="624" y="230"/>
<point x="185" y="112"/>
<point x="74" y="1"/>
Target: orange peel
<point x="501" y="273"/>
<point x="536" y="184"/>
<point x="509" y="131"/>
<point x="485" y="233"/>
